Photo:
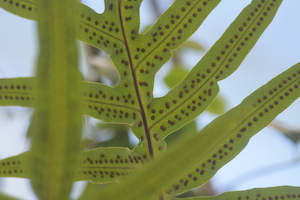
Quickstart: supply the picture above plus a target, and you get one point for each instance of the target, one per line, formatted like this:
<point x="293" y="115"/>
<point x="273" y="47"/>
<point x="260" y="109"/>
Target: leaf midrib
<point x="17" y="93"/>
<point x="111" y="104"/>
<point x="135" y="84"/>
<point x="109" y="167"/>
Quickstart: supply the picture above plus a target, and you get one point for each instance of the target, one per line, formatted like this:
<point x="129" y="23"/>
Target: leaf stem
<point x="137" y="92"/>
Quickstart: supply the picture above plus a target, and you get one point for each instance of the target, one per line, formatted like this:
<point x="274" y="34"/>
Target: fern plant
<point x="150" y="170"/>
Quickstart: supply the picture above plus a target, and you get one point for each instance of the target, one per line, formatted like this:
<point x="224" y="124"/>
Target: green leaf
<point x="23" y="8"/>
<point x="99" y="165"/>
<point x="137" y="58"/>
<point x="282" y="192"/>
<point x="194" y="160"/>
<point x="6" y="197"/>
<point x="170" y="31"/>
<point x="15" y="166"/>
<point x="99" y="100"/>
<point x="189" y="129"/>
<point x="228" y="134"/>
<point x="58" y="98"/>
<point x="117" y="132"/>
<point x="17" y="91"/>
<point x="199" y="88"/>
<point x="218" y="106"/>
<point x="187" y="45"/>
<point x="91" y="189"/>
<point x="193" y="45"/>
<point x="175" y="76"/>
<point x="110" y="104"/>
<point x="112" y="164"/>
<point x="57" y="122"/>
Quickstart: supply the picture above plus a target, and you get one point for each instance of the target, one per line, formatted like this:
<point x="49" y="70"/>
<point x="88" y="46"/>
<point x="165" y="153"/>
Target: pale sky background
<point x="277" y="50"/>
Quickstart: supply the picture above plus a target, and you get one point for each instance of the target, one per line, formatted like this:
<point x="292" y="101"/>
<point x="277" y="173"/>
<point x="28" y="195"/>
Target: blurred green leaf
<point x="107" y="135"/>
<point x="189" y="129"/>
<point x="6" y="197"/>
<point x="283" y="192"/>
<point x="218" y="106"/>
<point x="192" y="45"/>
<point x="91" y="189"/>
<point x="188" y="45"/>
<point x="175" y="76"/>
<point x="119" y="134"/>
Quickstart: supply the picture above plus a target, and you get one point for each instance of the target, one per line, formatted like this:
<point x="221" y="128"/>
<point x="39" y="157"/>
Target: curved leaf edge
<point x="280" y="192"/>
<point x="99" y="165"/>
<point x="180" y="172"/>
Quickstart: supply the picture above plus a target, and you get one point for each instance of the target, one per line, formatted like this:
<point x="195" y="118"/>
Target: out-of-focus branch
<point x="292" y="134"/>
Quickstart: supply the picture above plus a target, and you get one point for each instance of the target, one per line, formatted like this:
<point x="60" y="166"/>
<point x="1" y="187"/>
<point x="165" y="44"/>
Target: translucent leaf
<point x="18" y="91"/>
<point x="14" y="166"/>
<point x="111" y="164"/>
<point x="193" y="45"/>
<point x="189" y="129"/>
<point x="136" y="57"/>
<point x="99" y="165"/>
<point x="24" y="8"/>
<point x="218" y="106"/>
<point x="187" y="45"/>
<point x="283" y="192"/>
<point x="199" y="88"/>
<point x="194" y="160"/>
<point x="6" y="197"/>
<point x="175" y="76"/>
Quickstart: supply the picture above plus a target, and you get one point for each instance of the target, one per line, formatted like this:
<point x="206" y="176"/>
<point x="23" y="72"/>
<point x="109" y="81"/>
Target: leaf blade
<point x="17" y="91"/>
<point x="14" y="166"/>
<point x="229" y="133"/>
<point x="111" y="164"/>
<point x="280" y="192"/>
<point x="6" y="197"/>
<point x="109" y="104"/>
<point x="195" y="93"/>
<point x="237" y="126"/>
<point x="170" y="31"/>
<point x="99" y="165"/>
<point x="23" y="8"/>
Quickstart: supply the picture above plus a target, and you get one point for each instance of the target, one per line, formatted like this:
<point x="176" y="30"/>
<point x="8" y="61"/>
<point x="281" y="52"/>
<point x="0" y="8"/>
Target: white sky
<point x="277" y="50"/>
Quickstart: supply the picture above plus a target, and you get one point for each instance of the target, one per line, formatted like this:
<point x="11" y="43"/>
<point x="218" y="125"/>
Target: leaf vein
<point x="163" y="40"/>
<point x="138" y="95"/>
<point x="111" y="104"/>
